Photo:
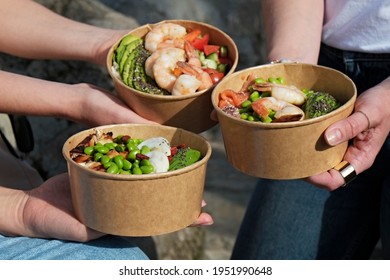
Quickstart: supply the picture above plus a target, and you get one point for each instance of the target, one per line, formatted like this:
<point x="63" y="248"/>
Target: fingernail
<point x="333" y="137"/>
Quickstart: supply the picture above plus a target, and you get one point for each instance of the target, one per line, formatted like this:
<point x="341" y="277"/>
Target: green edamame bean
<point x="113" y="169"/>
<point x="145" y="162"/>
<point x="126" y="165"/>
<point x="147" y="169"/>
<point x="145" y="149"/>
<point x="259" y="81"/>
<point x="120" y="148"/>
<point x="136" y="171"/>
<point x="118" y="139"/>
<point x="244" y="116"/>
<point x="273" y="80"/>
<point x="246" y="104"/>
<point x="110" y="146"/>
<point x="118" y="160"/>
<point x="89" y="150"/>
<point x="131" y="146"/>
<point x="97" y="156"/>
<point x="280" y="80"/>
<point x="125" y="172"/>
<point x="108" y="164"/>
<point x="254" y="96"/>
<point x="102" y="149"/>
<point x="105" y="159"/>
<point x="133" y="155"/>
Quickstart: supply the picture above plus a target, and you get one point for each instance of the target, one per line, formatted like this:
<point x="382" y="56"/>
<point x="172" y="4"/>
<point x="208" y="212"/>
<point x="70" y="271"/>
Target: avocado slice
<point x="122" y="46"/>
<point x="128" y="50"/>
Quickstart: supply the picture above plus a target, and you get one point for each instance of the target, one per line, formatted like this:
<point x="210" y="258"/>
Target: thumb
<point x="347" y="129"/>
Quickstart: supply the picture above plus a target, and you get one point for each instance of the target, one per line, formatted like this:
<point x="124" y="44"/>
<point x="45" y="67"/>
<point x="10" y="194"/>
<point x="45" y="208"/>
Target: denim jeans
<point x="105" y="248"/>
<point x="291" y="219"/>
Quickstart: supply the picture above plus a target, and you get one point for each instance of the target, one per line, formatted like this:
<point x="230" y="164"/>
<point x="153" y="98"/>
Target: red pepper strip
<point x="236" y="97"/>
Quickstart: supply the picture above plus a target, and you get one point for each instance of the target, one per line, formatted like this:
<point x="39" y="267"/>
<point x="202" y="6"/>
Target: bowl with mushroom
<point x="137" y="180"/>
<point x="273" y="118"/>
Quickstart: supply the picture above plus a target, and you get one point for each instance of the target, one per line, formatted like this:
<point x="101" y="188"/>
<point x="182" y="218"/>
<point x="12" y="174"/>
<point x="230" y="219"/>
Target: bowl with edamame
<point x="128" y="201"/>
<point x="174" y="90"/>
<point x="268" y="135"/>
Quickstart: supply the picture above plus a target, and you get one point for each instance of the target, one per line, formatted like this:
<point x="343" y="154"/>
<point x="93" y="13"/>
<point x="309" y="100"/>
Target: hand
<point x="204" y="219"/>
<point x="367" y="132"/>
<point x="100" y="107"/>
<point x="48" y="213"/>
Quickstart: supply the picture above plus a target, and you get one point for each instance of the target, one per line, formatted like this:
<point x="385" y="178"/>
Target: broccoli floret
<point x="320" y="103"/>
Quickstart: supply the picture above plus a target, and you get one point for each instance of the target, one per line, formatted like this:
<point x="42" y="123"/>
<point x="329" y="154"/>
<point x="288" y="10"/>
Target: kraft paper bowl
<point x="190" y="112"/>
<point x="287" y="150"/>
<point x="139" y="205"/>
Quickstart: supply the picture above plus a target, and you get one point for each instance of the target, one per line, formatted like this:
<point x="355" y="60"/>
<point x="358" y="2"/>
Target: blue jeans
<point x="105" y="248"/>
<point x="291" y="219"/>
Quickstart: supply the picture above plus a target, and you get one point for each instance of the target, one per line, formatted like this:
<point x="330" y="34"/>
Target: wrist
<point x="12" y="203"/>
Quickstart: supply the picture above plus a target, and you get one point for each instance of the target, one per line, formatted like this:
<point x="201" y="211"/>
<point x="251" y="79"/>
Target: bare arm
<point x="293" y="29"/>
<point x="30" y="30"/>
<point x="81" y="103"/>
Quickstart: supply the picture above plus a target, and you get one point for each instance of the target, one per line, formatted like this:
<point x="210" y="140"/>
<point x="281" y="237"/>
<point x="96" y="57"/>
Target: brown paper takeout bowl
<point x="287" y="150"/>
<point x="139" y="205"/>
<point x="190" y="112"/>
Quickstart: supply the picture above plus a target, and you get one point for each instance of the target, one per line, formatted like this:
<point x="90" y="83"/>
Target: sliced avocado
<point x="129" y="48"/>
<point x="128" y="66"/>
<point x="122" y="46"/>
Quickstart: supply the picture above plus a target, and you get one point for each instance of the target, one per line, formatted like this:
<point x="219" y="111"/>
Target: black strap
<point x="23" y="133"/>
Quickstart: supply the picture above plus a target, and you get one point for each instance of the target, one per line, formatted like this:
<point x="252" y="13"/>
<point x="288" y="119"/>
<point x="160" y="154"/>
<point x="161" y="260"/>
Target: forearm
<point x="293" y="29"/>
<point x="30" y="96"/>
<point x="30" y="30"/>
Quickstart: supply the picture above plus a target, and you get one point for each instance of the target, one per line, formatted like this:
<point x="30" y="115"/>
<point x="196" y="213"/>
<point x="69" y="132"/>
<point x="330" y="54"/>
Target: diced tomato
<point x="208" y="49"/>
<point x="215" y="75"/>
<point x="192" y="35"/>
<point x="199" y="43"/>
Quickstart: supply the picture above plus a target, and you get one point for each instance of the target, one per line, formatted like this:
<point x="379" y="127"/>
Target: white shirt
<point x="357" y="25"/>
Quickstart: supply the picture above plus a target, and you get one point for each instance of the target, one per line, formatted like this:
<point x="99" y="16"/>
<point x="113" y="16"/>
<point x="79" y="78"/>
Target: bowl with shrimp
<point x="273" y="118"/>
<point x="166" y="71"/>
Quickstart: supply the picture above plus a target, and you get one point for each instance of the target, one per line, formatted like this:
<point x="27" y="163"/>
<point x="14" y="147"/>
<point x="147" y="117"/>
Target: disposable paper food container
<point x="139" y="205"/>
<point x="286" y="150"/>
<point x="190" y="112"/>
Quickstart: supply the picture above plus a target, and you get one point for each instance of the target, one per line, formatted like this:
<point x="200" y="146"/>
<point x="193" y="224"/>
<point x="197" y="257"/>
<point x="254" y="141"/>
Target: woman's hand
<point x="367" y="128"/>
<point x="100" y="107"/>
<point x="48" y="213"/>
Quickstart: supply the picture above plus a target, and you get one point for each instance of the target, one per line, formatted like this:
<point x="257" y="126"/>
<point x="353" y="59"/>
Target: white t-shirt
<point x="357" y="25"/>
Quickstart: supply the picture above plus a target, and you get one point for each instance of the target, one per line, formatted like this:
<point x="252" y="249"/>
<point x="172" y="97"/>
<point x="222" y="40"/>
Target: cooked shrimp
<point x="198" y="73"/>
<point x="150" y="61"/>
<point x="284" y="111"/>
<point x="185" y="84"/>
<point x="192" y="55"/>
<point x="164" y="65"/>
<point x="290" y="94"/>
<point x="163" y="33"/>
